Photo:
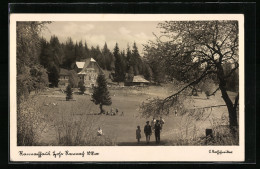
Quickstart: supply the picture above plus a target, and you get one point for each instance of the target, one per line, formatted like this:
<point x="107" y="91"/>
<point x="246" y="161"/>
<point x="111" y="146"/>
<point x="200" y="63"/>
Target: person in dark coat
<point x="138" y="134"/>
<point x="157" y="131"/>
<point x="147" y="132"/>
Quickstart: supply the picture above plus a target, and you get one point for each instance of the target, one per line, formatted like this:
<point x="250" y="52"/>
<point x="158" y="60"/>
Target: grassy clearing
<point x="75" y="122"/>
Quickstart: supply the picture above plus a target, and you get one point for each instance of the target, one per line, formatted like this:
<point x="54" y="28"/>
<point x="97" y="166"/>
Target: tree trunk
<point x="101" y="108"/>
<point x="231" y="109"/>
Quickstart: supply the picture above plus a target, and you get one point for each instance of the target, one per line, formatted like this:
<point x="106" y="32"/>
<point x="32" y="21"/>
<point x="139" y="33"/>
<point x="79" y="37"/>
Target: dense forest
<point x="39" y="61"/>
<point x="125" y="64"/>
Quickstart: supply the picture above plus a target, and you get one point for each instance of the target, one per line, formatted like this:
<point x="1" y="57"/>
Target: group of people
<point x="155" y="127"/>
<point x="113" y="113"/>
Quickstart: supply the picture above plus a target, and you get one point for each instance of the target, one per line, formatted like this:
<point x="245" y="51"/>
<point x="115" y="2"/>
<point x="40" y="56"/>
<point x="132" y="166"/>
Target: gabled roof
<point x="90" y="63"/>
<point x="139" y="78"/>
<point x="64" y="72"/>
<point x="80" y="65"/>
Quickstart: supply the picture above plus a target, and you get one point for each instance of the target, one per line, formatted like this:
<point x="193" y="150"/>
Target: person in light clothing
<point x="161" y="122"/>
<point x="153" y="123"/>
<point x="100" y="132"/>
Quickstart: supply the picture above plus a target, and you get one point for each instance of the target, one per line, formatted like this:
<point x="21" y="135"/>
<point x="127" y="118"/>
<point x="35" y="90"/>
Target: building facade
<point x="64" y="78"/>
<point x="89" y="73"/>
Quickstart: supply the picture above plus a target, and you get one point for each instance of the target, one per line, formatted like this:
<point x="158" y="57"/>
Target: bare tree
<point x="197" y="50"/>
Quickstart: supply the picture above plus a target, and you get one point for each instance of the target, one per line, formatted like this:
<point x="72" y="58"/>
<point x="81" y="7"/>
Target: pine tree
<point x="86" y="51"/>
<point x="53" y="75"/>
<point x="101" y="94"/>
<point x="128" y="58"/>
<point x="119" y="72"/>
<point x="68" y="92"/>
<point x="82" y="87"/>
<point x="107" y="57"/>
<point x="136" y="60"/>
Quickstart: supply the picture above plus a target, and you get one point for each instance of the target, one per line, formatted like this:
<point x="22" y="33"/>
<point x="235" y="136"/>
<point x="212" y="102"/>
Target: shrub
<point x="222" y="135"/>
<point x="28" y="122"/>
<point x="69" y="92"/>
<point x="82" y="87"/>
<point x="208" y="86"/>
<point x="72" y="131"/>
<point x="73" y="78"/>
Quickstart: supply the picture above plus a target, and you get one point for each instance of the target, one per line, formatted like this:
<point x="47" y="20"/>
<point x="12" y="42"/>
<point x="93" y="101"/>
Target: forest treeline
<point x="125" y="63"/>
<point x="39" y="61"/>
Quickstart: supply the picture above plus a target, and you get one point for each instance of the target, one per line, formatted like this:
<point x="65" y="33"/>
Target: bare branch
<point x="204" y="74"/>
<point x="214" y="92"/>
<point x="232" y="71"/>
<point x="223" y="105"/>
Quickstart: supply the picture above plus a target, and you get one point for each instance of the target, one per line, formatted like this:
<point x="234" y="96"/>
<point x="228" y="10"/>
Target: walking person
<point x="157" y="131"/>
<point x="138" y="134"/>
<point x="152" y="124"/>
<point x="147" y="131"/>
<point x="161" y="122"/>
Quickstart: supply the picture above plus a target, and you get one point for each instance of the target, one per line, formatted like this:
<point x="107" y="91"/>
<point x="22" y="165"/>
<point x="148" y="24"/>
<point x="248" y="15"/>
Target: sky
<point x="97" y="33"/>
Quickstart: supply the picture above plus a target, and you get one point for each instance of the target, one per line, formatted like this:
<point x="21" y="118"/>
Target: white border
<point x="127" y="153"/>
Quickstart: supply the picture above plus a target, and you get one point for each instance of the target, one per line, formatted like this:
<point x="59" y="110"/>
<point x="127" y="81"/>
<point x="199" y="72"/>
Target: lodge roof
<point x="64" y="72"/>
<point x="140" y="79"/>
<point x="80" y="64"/>
<point x="90" y="63"/>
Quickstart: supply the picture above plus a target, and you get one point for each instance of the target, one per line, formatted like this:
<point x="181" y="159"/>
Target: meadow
<point x="76" y="122"/>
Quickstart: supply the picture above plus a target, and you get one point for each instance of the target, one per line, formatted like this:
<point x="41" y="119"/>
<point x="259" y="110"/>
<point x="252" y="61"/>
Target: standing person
<point x="153" y="123"/>
<point x="175" y="112"/>
<point x="161" y="122"/>
<point x="138" y="134"/>
<point x="147" y="131"/>
<point x="157" y="130"/>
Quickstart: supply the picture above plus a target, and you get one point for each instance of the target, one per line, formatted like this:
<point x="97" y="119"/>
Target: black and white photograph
<point x="136" y="83"/>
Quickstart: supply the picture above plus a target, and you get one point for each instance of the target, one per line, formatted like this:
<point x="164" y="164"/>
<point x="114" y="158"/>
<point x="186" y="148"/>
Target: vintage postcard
<point x="127" y="88"/>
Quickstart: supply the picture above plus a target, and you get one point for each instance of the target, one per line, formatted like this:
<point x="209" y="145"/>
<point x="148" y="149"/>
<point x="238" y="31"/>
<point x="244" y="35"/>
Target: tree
<point x="128" y="58"/>
<point x="119" y="70"/>
<point x="57" y="51"/>
<point x="101" y="94"/>
<point x="54" y="75"/>
<point x="107" y="57"/>
<point x="86" y="51"/>
<point x="73" y="78"/>
<point x="207" y="45"/>
<point x="28" y="59"/>
<point x="233" y="81"/>
<point x="130" y="74"/>
<point x="136" y="60"/>
<point x="148" y="74"/>
<point x="69" y="92"/>
<point x="69" y="54"/>
<point x="82" y="87"/>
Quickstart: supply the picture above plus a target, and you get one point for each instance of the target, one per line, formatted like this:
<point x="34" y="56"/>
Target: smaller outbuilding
<point x="137" y="81"/>
<point x="64" y="77"/>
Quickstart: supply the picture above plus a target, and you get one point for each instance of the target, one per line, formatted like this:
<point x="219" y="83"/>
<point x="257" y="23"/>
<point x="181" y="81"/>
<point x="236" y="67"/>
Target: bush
<point x="73" y="78"/>
<point x="208" y="86"/>
<point x="82" y="88"/>
<point x="28" y="122"/>
<point x="222" y="135"/>
<point x="72" y="131"/>
<point x="69" y="92"/>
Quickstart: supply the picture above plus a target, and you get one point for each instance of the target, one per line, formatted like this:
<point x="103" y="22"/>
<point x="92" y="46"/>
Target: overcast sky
<point x="97" y="33"/>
